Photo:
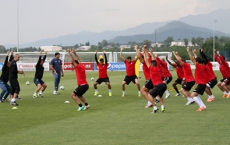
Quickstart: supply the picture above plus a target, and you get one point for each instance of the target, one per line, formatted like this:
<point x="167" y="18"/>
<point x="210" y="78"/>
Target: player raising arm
<point x="156" y="78"/>
<point x="130" y="73"/>
<point x="102" y="73"/>
<point x="81" y="81"/>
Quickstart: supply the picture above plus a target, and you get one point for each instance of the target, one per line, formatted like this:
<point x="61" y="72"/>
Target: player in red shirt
<point x="156" y="78"/>
<point x="130" y="73"/>
<point x="180" y="75"/>
<point x="201" y="80"/>
<point x="167" y="76"/>
<point x="212" y="81"/>
<point x="224" y="69"/>
<point x="81" y="82"/>
<point x="102" y="73"/>
<point x="189" y="79"/>
<point x="148" y="84"/>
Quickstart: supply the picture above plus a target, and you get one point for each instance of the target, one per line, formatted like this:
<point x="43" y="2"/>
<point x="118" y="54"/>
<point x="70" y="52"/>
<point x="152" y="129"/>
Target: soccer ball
<point x="92" y="79"/>
<point x="27" y="83"/>
<point x="62" y="88"/>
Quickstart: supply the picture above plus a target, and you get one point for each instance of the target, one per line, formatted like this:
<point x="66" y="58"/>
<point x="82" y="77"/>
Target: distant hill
<point x="175" y="29"/>
<point x="206" y="20"/>
<point x="93" y="38"/>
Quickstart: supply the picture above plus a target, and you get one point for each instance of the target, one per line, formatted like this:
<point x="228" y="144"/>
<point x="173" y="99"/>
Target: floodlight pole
<point x="214" y="39"/>
<point x="18" y="26"/>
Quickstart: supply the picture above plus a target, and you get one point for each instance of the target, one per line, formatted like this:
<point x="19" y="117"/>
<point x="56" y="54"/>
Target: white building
<point x="181" y="43"/>
<point x="125" y="46"/>
<point x="83" y="48"/>
<point x="51" y="48"/>
<point x="157" y="44"/>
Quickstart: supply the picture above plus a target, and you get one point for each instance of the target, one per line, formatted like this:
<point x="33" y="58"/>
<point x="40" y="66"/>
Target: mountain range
<point x="201" y="25"/>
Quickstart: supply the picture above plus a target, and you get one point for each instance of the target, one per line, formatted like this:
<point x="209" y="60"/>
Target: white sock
<point x="139" y="92"/>
<point x="149" y="103"/>
<point x="202" y="103"/>
<point x="229" y="92"/>
<point x="162" y="106"/>
<point x="123" y="92"/>
<point x="155" y="108"/>
<point x="35" y="93"/>
<point x="189" y="99"/>
<point x="211" y="96"/>
<point x="12" y="100"/>
<point x="196" y="99"/>
<point x="225" y="92"/>
<point x="109" y="91"/>
<point x="167" y="92"/>
<point x="96" y="90"/>
<point x="40" y="92"/>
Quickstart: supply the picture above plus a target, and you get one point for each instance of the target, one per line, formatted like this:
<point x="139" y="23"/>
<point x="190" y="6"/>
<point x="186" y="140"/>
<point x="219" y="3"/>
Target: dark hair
<point x="57" y="53"/>
<point x="129" y="57"/>
<point x="76" y="61"/>
<point x="101" y="59"/>
<point x="154" y="62"/>
<point x="199" y="60"/>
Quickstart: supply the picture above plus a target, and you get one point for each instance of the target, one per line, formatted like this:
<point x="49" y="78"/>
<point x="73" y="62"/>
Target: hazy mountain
<point x="146" y="31"/>
<point x="175" y="29"/>
<point x="93" y="38"/>
<point x="207" y="20"/>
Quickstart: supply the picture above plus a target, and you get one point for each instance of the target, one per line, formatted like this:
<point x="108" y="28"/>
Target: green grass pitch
<point x="110" y="120"/>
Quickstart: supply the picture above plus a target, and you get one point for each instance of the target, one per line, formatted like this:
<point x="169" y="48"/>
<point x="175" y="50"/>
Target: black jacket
<point x="39" y="68"/>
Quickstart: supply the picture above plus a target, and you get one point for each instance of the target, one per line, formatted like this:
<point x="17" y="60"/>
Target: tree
<point x="186" y="42"/>
<point x="147" y="43"/>
<point x="168" y="41"/>
<point x="2" y="49"/>
<point x="199" y="41"/>
<point x="193" y="41"/>
<point x="104" y="43"/>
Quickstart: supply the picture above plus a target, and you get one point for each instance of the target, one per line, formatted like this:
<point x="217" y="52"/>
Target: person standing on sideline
<point x="180" y="75"/>
<point x="102" y="73"/>
<point x="15" y="88"/>
<point x="6" y="89"/>
<point x="130" y="73"/>
<point x="41" y="86"/>
<point x="81" y="82"/>
<point x="57" y="71"/>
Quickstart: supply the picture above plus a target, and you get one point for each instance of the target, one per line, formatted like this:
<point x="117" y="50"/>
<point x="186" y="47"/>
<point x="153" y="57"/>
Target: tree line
<point x="221" y="43"/>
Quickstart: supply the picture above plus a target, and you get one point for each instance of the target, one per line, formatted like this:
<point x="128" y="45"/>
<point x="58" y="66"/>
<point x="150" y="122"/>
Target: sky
<point x="41" y="19"/>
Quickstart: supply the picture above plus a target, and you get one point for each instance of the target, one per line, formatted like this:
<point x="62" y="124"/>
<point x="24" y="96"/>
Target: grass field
<point x="110" y="120"/>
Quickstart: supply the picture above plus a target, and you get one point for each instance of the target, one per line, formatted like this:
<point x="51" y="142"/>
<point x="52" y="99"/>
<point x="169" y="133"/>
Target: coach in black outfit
<point x="15" y="88"/>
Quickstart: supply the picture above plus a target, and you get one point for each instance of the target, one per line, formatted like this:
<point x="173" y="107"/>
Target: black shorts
<point x="15" y="88"/>
<point x="188" y="85"/>
<point x="200" y="88"/>
<point x="128" y="79"/>
<point x="149" y="84"/>
<point x="168" y="79"/>
<point x="80" y="90"/>
<point x="226" y="80"/>
<point x="100" y="80"/>
<point x="158" y="90"/>
<point x="178" y="80"/>
<point x="211" y="83"/>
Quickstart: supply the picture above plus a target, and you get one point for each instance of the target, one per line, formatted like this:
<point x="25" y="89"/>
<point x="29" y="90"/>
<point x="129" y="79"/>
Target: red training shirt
<point x="187" y="72"/>
<point x="179" y="71"/>
<point x="155" y="74"/>
<point x="102" y="70"/>
<point x="80" y="75"/>
<point x="130" y="67"/>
